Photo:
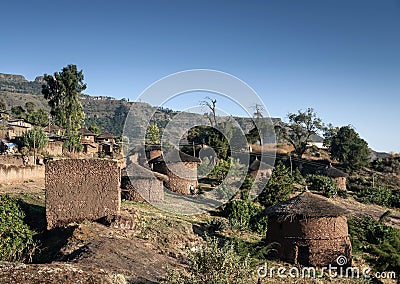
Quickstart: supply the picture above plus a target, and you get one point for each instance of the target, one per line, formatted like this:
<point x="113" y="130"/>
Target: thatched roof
<point x="334" y="172"/>
<point x="175" y="156"/>
<point x="259" y="165"/>
<point x="135" y="171"/>
<point x="105" y="135"/>
<point x="305" y="205"/>
<point x="85" y="132"/>
<point x="153" y="147"/>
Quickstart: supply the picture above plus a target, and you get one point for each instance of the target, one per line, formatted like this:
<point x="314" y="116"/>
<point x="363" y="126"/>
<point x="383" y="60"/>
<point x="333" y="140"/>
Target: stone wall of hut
<point x="81" y="189"/>
<point x="181" y="176"/>
<point x="141" y="189"/>
<point x="313" y="241"/>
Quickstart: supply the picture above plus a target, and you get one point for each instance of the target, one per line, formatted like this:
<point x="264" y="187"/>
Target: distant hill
<point x="107" y="112"/>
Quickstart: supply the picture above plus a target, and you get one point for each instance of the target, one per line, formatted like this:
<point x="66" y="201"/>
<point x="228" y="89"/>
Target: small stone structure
<point x="337" y="175"/>
<point x="81" y="189"/>
<point x="141" y="184"/>
<point x="181" y="170"/>
<point x="310" y="230"/>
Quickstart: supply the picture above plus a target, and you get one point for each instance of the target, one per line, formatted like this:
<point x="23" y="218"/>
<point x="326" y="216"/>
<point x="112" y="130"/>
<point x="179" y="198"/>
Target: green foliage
<point x="16" y="238"/>
<point x="18" y="112"/>
<point x="379" y="195"/>
<point x="244" y="215"/>
<point x="153" y="134"/>
<point x="39" y="117"/>
<point x="35" y="138"/>
<point x="62" y="91"/>
<point x="216" y="224"/>
<point x="73" y="144"/>
<point x="382" y="242"/>
<point x="220" y="171"/>
<point x="205" y="167"/>
<point x="30" y="107"/>
<point x="3" y="105"/>
<point x="299" y="129"/>
<point x="94" y="129"/>
<point x="214" y="264"/>
<point x="348" y="148"/>
<point x="279" y="186"/>
<point x="324" y="184"/>
<point x="389" y="164"/>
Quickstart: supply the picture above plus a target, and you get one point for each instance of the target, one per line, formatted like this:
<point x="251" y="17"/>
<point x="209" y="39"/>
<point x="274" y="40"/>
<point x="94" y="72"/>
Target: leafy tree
<point x="153" y="134"/>
<point x="299" y="129"/>
<point x="212" y="137"/>
<point x="279" y="186"/>
<point x="73" y="144"/>
<point x="348" y="148"/>
<point x="39" y="117"/>
<point x="30" y="107"/>
<point x="62" y="91"/>
<point x="94" y="128"/>
<point x="35" y="138"/>
<point x="3" y="105"/>
<point x="18" y="112"/>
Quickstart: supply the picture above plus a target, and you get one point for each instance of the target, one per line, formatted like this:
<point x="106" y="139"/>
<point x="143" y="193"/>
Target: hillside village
<point x="95" y="213"/>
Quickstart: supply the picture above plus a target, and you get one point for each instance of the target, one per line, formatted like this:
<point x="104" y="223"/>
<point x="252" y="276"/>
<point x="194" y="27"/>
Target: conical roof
<point x="306" y="205"/>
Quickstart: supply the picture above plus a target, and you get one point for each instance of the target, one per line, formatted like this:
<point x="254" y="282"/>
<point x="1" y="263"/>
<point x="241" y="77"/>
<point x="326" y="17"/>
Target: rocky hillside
<point x="107" y="112"/>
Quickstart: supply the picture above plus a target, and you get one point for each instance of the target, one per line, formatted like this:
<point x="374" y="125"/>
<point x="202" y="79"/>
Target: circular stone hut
<point x="181" y="170"/>
<point x="141" y="184"/>
<point x="310" y="230"/>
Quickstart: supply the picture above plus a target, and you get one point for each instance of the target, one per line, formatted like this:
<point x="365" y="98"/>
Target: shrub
<point x="381" y="241"/>
<point x="213" y="264"/>
<point x="378" y="195"/>
<point x="326" y="185"/>
<point x="16" y="238"/>
<point x="278" y="188"/>
<point x="245" y="214"/>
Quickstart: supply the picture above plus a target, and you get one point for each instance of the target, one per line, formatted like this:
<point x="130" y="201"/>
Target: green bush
<point x="378" y="195"/>
<point x="326" y="185"/>
<point x="16" y="238"/>
<point x="279" y="186"/>
<point x="214" y="264"/>
<point x="244" y="215"/>
<point x="381" y="241"/>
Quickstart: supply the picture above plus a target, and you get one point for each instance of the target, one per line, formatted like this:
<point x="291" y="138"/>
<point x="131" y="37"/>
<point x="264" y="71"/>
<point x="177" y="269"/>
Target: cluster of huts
<point x="11" y="129"/>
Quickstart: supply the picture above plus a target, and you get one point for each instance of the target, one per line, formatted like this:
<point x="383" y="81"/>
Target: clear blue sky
<point x="341" y="57"/>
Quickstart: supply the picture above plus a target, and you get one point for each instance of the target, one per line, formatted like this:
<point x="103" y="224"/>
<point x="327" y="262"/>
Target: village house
<point x="309" y="230"/>
<point x="140" y="184"/>
<point x="181" y="170"/>
<point x="90" y="147"/>
<point x="337" y="175"/>
<point x="153" y="151"/>
<point x="17" y="128"/>
<point x="106" y="143"/>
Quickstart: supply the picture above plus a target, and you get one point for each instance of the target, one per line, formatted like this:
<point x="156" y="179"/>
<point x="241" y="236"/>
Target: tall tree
<point x="62" y="90"/>
<point x="30" y="107"/>
<point x="349" y="148"/>
<point x="299" y="129"/>
<point x="39" y="117"/>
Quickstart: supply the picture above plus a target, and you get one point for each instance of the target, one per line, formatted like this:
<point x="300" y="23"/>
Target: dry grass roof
<point x="334" y="172"/>
<point x="105" y="135"/>
<point x="175" y="156"/>
<point x="305" y="205"/>
<point x="136" y="171"/>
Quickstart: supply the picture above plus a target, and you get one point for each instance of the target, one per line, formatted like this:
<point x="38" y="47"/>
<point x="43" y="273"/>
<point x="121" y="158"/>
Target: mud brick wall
<point x="17" y="174"/>
<point x="81" y="189"/>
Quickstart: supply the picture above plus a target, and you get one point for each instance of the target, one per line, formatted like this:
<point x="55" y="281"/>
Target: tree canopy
<point x="348" y="148"/>
<point x="35" y="138"/>
<point x="300" y="127"/>
<point x="62" y="91"/>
